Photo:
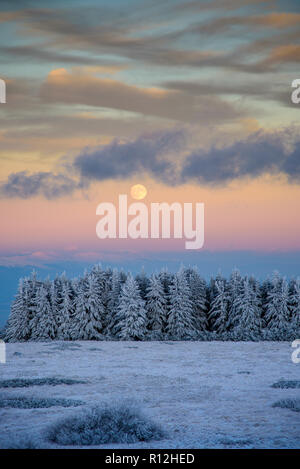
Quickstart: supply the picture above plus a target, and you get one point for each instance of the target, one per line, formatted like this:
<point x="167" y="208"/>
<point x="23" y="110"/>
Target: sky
<point x="192" y="99"/>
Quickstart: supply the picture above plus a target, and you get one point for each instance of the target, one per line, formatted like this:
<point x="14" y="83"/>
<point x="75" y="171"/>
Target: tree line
<point x="106" y="304"/>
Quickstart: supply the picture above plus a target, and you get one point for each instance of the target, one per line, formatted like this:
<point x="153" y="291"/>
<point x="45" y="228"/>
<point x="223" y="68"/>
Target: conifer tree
<point x="143" y="283"/>
<point x="131" y="318"/>
<point x="198" y="289"/>
<point x="18" y="325"/>
<point x="66" y="310"/>
<point x="277" y="309"/>
<point x="42" y="323"/>
<point x="87" y="323"/>
<point x="55" y="299"/>
<point x="218" y="314"/>
<point x="181" y="323"/>
<point x="166" y="279"/>
<point x="265" y="289"/>
<point x="295" y="305"/>
<point x="156" y="306"/>
<point x="113" y="301"/>
<point x="248" y="307"/>
<point x="235" y="286"/>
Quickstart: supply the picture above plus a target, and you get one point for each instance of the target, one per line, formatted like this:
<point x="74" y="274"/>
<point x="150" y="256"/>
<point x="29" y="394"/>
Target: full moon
<point x="138" y="191"/>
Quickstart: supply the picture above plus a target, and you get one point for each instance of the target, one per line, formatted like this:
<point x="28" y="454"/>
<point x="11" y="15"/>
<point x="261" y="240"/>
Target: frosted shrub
<point x="292" y="404"/>
<point x="118" y="423"/>
<point x="287" y="384"/>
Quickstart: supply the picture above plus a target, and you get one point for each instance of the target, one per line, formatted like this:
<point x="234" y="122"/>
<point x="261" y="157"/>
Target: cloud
<point x="271" y="20"/>
<point x="289" y="53"/>
<point x="196" y="5"/>
<point x="259" y="154"/>
<point x="79" y="88"/>
<point x="249" y="158"/>
<point x="146" y="154"/>
<point x="165" y="157"/>
<point x="123" y="33"/>
<point x="23" y="185"/>
<point x="261" y="88"/>
<point x="40" y="53"/>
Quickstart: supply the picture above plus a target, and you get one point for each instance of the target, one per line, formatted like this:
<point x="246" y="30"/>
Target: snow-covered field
<point x="204" y="394"/>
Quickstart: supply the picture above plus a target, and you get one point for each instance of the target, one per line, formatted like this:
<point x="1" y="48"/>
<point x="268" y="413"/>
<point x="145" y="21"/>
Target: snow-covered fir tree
<point x="107" y="302"/>
<point x="95" y="302"/>
<point x="105" y="295"/>
<point x="55" y="300"/>
<point x="166" y="278"/>
<point x="18" y="325"/>
<point x="156" y="306"/>
<point x="235" y="288"/>
<point x="102" y="279"/>
<point x="131" y="317"/>
<point x="248" y="322"/>
<point x="66" y="310"/>
<point x="198" y="287"/>
<point x="295" y="305"/>
<point x="123" y="276"/>
<point x="143" y="283"/>
<point x="113" y="301"/>
<point x="218" y="314"/>
<point x="265" y="289"/>
<point x="212" y="290"/>
<point x="277" y="308"/>
<point x="181" y="321"/>
<point x="42" y="323"/>
<point x="87" y="323"/>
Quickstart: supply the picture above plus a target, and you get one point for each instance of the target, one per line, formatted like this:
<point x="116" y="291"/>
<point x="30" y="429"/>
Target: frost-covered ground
<point x="204" y="394"/>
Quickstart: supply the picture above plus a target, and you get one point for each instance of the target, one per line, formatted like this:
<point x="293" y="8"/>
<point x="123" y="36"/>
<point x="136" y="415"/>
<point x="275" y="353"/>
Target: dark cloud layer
<point x="151" y="155"/>
<point x="123" y="160"/>
<point x="251" y="158"/>
<point x="25" y="186"/>
<point x="260" y="153"/>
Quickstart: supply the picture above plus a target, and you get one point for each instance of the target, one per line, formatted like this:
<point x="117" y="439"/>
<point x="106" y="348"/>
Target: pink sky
<point x="257" y="215"/>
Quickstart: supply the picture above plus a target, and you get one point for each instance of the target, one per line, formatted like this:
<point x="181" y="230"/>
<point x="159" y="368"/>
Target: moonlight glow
<point x="138" y="191"/>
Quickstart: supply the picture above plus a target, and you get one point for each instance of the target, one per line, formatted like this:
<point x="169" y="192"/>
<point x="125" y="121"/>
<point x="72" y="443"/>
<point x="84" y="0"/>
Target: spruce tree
<point x="87" y="323"/>
<point x="131" y="317"/>
<point x="181" y="322"/>
<point x="156" y="306"/>
<point x="113" y="301"/>
<point x="42" y="323"/>
<point x="248" y="307"/>
<point x="295" y="305"/>
<point x="198" y="289"/>
<point x="55" y="302"/>
<point x="143" y="283"/>
<point x="66" y="310"/>
<point x="277" y="309"/>
<point x="18" y="325"/>
<point x="218" y="314"/>
<point x="235" y="287"/>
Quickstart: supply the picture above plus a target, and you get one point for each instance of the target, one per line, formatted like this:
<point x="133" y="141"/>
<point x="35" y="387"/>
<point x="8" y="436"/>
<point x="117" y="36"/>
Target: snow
<point x="204" y="394"/>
